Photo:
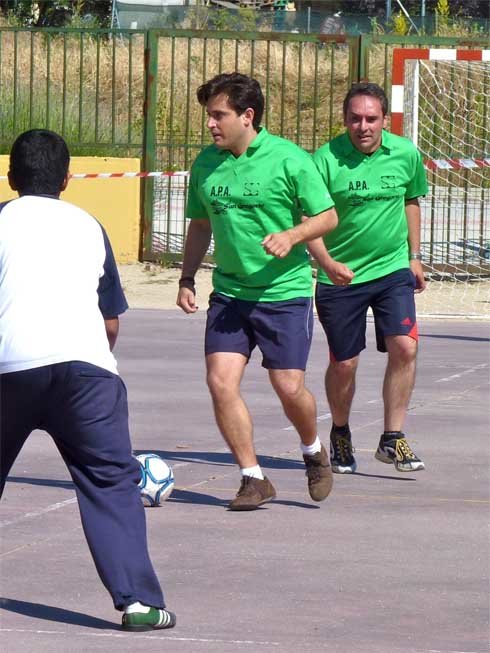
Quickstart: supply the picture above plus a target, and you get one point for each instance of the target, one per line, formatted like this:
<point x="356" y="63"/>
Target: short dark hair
<point x="366" y="88"/>
<point x="243" y="92"/>
<point x="39" y="161"/>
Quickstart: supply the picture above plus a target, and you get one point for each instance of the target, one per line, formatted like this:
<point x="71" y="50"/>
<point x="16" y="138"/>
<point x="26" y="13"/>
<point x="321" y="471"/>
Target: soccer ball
<point x="157" y="479"/>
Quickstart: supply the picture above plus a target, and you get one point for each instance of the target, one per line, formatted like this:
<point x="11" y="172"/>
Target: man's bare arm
<point x="280" y="244"/>
<point x="112" y="330"/>
<point x="196" y="246"/>
<point x="338" y="273"/>
<point x="412" y="211"/>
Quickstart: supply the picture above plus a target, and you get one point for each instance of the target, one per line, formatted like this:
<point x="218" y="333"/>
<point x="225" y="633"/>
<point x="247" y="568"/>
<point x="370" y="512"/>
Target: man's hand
<point x="420" y="282"/>
<point x="338" y="273"/>
<point x="186" y="299"/>
<point x="278" y="244"/>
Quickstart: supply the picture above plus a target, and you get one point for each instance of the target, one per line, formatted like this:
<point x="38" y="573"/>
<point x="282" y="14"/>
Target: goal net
<point x="441" y="101"/>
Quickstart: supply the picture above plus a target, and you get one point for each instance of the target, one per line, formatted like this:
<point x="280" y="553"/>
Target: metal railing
<point x="303" y="78"/>
<point x="133" y="93"/>
<point x="87" y="85"/>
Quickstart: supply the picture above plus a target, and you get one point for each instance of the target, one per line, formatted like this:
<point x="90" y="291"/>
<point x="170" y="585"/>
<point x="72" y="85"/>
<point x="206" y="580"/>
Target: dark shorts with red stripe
<point x="282" y="330"/>
<point x="342" y="311"/>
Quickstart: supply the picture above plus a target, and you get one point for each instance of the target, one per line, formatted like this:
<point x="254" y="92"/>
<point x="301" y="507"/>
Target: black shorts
<point x="282" y="330"/>
<point x="342" y="312"/>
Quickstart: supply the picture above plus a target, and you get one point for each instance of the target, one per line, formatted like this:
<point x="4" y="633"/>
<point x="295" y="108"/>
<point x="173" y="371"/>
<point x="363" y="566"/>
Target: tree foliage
<point x="59" y="13"/>
<point x="458" y="8"/>
<point x="97" y="13"/>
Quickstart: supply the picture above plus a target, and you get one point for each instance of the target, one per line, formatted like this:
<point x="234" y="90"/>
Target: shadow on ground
<point x="51" y="613"/>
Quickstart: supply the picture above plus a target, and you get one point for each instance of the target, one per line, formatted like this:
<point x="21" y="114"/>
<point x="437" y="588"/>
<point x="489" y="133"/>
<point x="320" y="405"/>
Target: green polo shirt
<point x="370" y="192"/>
<point x="265" y="190"/>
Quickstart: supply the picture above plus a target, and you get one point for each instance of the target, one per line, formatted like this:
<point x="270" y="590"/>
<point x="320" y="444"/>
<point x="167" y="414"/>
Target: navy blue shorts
<point x="282" y="330"/>
<point x="342" y="312"/>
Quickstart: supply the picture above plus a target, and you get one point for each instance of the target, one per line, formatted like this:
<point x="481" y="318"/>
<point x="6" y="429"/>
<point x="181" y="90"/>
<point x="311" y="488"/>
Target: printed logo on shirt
<point x="223" y="198"/>
<point x="218" y="207"/>
<point x="361" y="200"/>
<point x="251" y="188"/>
<point x="388" y="181"/>
<point x="219" y="191"/>
<point x="358" y="185"/>
<point x="222" y="208"/>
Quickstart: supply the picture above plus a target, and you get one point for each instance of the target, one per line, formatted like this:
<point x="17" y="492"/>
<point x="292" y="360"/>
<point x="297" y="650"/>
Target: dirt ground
<point x="148" y="285"/>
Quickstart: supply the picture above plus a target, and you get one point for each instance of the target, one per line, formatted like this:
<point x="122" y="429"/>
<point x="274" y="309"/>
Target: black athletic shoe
<point x="341" y="458"/>
<point x="398" y="452"/>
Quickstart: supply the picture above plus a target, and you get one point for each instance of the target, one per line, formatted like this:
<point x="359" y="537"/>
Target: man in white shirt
<point x="60" y="298"/>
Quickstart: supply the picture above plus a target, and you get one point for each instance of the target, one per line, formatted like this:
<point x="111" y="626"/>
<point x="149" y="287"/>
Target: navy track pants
<point x="84" y="409"/>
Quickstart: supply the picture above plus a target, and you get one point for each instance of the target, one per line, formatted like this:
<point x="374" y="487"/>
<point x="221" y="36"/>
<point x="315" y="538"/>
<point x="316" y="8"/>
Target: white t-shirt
<point x="58" y="281"/>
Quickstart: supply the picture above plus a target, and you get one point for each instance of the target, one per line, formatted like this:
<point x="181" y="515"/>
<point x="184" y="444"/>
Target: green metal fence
<point x="87" y="85"/>
<point x="133" y="92"/>
<point x="303" y="77"/>
<point x="305" y="80"/>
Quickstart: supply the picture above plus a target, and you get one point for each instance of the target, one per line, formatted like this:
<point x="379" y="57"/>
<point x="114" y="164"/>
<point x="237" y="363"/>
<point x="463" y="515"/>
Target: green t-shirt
<point x="265" y="190"/>
<point x="370" y="194"/>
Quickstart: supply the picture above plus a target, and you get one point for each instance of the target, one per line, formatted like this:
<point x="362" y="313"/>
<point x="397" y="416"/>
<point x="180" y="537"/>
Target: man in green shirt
<point x="250" y="190"/>
<point x="371" y="260"/>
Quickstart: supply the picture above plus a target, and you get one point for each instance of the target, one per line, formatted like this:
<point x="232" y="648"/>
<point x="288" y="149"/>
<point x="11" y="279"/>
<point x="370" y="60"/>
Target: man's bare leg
<point x="297" y="401"/>
<point x="224" y="375"/>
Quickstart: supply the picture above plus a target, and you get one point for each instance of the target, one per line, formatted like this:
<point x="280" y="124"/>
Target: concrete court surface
<point x="389" y="563"/>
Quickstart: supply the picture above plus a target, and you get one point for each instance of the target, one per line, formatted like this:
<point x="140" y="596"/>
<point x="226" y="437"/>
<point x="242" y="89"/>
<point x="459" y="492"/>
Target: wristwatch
<point x="415" y="256"/>
<point x="188" y="282"/>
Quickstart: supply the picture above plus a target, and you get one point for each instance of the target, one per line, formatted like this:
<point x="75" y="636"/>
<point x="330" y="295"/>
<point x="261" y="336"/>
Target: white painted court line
<point x="320" y="418"/>
<point x="154" y="636"/>
<point x="135" y="636"/>
<point x="324" y="417"/>
<point x="458" y="376"/>
<point x="350" y="495"/>
<point x="38" y="513"/>
<point x="432" y="650"/>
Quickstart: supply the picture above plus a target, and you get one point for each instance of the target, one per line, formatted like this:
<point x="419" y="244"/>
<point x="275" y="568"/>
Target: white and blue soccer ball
<point x="157" y="479"/>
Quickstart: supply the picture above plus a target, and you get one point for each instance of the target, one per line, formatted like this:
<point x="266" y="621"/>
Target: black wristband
<point x="188" y="282"/>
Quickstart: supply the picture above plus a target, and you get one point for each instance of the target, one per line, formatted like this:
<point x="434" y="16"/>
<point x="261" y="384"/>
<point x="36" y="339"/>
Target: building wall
<point x="115" y="203"/>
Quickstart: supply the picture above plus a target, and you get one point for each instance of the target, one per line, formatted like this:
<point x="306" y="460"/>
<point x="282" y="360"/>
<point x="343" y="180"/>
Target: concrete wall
<point x="115" y="203"/>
